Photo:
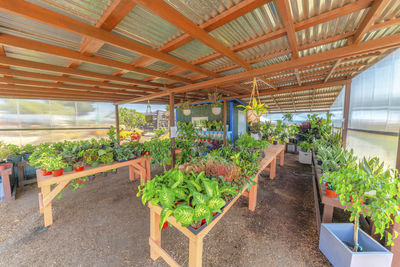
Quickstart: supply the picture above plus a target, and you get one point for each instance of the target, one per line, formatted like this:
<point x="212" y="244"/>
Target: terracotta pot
<point x="58" y="172"/>
<point x="79" y="169"/>
<point x="330" y="193"/>
<point x="46" y="173"/>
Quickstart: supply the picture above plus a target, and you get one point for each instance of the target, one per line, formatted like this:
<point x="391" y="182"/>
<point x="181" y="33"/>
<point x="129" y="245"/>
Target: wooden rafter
<point x="287" y="19"/>
<point x="48" y="17"/>
<point x="337" y="63"/>
<point x="268" y="83"/>
<point x="297" y="74"/>
<point x="232" y="13"/>
<point x="14" y="41"/>
<point x="343" y="52"/>
<point x="373" y="12"/>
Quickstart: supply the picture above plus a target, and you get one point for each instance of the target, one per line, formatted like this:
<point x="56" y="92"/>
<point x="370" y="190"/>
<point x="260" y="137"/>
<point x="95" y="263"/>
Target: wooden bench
<point x="196" y="241"/>
<point x="139" y="167"/>
<point x="272" y="153"/>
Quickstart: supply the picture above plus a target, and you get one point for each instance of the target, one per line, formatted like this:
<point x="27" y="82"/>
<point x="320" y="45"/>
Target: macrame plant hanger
<point x="254" y="100"/>
<point x="148" y="115"/>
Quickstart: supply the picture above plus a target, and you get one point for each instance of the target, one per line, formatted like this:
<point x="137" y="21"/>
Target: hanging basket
<point x="252" y="116"/>
<point x="148" y="117"/>
<point x="216" y="110"/>
<point x="186" y="112"/>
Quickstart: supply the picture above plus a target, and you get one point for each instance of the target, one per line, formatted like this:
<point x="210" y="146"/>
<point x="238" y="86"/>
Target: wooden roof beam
<point x="337" y="63"/>
<point x="173" y="16"/>
<point x="268" y="83"/>
<point x="52" y="18"/>
<point x="373" y="12"/>
<point x="334" y="54"/>
<point x="287" y="20"/>
<point x="227" y="16"/>
<point x="297" y="74"/>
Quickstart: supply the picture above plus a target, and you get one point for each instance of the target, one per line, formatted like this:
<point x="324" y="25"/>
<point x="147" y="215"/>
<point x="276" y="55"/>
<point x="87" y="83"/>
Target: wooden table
<point x="139" y="167"/>
<point x="196" y="241"/>
<point x="5" y="176"/>
<point x="272" y="153"/>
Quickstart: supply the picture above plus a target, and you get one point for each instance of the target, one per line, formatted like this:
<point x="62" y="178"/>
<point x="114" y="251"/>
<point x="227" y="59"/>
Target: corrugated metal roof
<point x="201" y="11"/>
<point x="116" y="53"/>
<point x="146" y="28"/>
<point x="192" y="51"/>
<point x="27" y="28"/>
<point x="391" y="11"/>
<point x="96" y="68"/>
<point x="218" y="64"/>
<point x="264" y="49"/>
<point x="253" y="24"/>
<point x="88" y="11"/>
<point x="160" y="66"/>
<point x="381" y="33"/>
<point x="271" y="61"/>
<point x="35" y="56"/>
<point x="135" y="75"/>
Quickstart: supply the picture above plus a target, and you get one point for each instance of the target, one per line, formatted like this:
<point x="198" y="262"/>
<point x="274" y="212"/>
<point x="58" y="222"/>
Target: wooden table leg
<point x="47" y="209"/>
<point x="155" y="233"/>
<point x="131" y="173"/>
<point x="253" y="195"/>
<point x="272" y="172"/>
<point x="282" y="158"/>
<point x="328" y="214"/>
<point x="195" y="252"/>
<point x="148" y="169"/>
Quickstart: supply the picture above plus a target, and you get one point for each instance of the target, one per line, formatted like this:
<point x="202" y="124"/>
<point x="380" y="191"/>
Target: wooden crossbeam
<point x="48" y="17"/>
<point x="334" y="54"/>
<point x="287" y="20"/>
<point x="337" y="63"/>
<point x="19" y="42"/>
<point x="268" y="83"/>
<point x="232" y="13"/>
<point x="297" y="74"/>
<point x="56" y="78"/>
<point x="173" y="16"/>
<point x="373" y="12"/>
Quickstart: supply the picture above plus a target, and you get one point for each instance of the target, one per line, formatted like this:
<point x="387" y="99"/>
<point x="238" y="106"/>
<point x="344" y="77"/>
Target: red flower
<point x="79" y="182"/>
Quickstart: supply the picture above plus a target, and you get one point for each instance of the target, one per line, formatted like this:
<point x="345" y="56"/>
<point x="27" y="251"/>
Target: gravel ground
<point x="105" y="224"/>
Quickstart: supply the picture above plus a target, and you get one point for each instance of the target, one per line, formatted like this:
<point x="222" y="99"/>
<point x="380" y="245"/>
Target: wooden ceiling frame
<point x="54" y="19"/>
<point x="287" y="20"/>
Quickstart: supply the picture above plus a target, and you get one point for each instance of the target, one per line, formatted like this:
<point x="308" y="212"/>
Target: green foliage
<point x="334" y="158"/>
<point x="4" y="151"/>
<point x="258" y="107"/>
<point x="112" y="134"/>
<point x="199" y="196"/>
<point x="306" y="146"/>
<point x="288" y="117"/>
<point x="160" y="151"/>
<point x="131" y="119"/>
<point x="246" y="141"/>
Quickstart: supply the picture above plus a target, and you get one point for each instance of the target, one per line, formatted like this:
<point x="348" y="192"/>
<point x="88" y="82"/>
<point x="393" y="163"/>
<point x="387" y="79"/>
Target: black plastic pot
<point x="319" y="162"/>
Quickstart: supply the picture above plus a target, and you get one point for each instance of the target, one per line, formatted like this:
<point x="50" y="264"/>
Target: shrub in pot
<point x="4" y="153"/>
<point x="55" y="164"/>
<point x="381" y="193"/>
<point x="15" y="153"/>
<point x="106" y="155"/>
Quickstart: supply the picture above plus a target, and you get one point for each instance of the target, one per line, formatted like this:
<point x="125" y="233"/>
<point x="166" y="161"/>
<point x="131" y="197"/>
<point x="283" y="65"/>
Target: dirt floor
<point x="105" y="224"/>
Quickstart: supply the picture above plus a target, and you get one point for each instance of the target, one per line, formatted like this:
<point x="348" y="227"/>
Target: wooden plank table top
<point x="139" y="167"/>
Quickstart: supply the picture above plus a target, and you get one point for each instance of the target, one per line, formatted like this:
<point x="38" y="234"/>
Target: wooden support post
<point x="155" y="234"/>
<point x="132" y="173"/>
<point x="346" y="112"/>
<point x="148" y="169"/>
<point x="396" y="226"/>
<point x="117" y="122"/>
<point x="47" y="209"/>
<point x="195" y="252"/>
<point x="328" y="214"/>
<point x="172" y="124"/>
<point x="225" y="109"/>
<point x="282" y="158"/>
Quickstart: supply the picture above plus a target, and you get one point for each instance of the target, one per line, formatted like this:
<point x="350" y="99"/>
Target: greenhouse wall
<point x="374" y="114"/>
<point x="38" y="121"/>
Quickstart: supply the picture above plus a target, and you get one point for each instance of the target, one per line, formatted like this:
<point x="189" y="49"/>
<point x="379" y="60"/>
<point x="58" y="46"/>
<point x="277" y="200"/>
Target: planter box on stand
<point x="331" y="244"/>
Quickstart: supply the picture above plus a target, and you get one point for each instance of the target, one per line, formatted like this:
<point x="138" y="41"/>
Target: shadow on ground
<point x="105" y="224"/>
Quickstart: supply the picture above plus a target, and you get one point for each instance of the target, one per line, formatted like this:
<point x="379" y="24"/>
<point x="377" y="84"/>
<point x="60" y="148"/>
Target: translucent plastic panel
<point x="8" y="114"/>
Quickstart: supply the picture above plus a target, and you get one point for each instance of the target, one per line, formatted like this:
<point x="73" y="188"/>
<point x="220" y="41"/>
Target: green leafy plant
<point x="258" y="107"/>
<point x="4" y="151"/>
<point x="53" y="163"/>
<point x="112" y="134"/>
<point x="306" y="146"/>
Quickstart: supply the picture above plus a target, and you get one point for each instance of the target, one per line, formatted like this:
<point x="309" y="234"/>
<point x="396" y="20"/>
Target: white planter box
<point x="216" y="110"/>
<point x="187" y="112"/>
<point x="305" y="157"/>
<point x="331" y="244"/>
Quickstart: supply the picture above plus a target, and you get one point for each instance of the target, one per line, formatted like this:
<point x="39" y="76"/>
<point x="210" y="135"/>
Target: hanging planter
<point x="185" y="107"/>
<point x="255" y="108"/>
<point x="148" y="116"/>
<point x="216" y="105"/>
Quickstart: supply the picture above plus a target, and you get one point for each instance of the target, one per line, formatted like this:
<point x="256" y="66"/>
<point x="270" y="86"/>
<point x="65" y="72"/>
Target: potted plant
<point x="344" y="244"/>
<point x="185" y="107"/>
<point x="90" y="156"/>
<point x="305" y="155"/>
<point x="27" y="150"/>
<point x="106" y="155"/>
<point x="254" y="129"/>
<point x="15" y="153"/>
<point x="4" y="153"/>
<point x="216" y="104"/>
<point x="203" y="125"/>
<point x="55" y="164"/>
<point x="79" y="164"/>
